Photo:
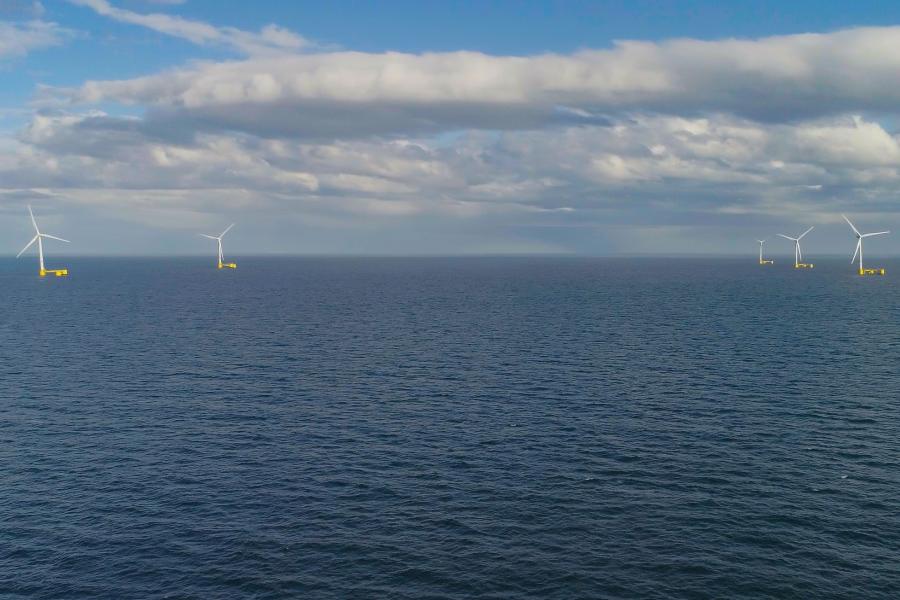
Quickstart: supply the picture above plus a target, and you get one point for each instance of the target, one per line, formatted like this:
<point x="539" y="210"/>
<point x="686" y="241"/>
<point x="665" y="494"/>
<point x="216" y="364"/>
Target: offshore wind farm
<point x="499" y="329"/>
<point x="221" y="263"/>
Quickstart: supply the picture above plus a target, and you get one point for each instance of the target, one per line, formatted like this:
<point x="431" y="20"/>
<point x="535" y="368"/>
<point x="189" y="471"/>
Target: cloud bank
<point x="523" y="153"/>
<point x="776" y="79"/>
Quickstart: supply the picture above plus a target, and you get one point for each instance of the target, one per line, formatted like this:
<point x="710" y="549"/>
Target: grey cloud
<point x="322" y="120"/>
<point x="96" y="135"/>
<point x="659" y="177"/>
<point x="12" y="200"/>
<point x="652" y="164"/>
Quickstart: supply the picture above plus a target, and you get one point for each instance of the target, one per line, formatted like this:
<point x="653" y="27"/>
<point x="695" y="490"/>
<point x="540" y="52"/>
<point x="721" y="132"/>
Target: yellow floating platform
<point x="804" y="266"/>
<point x="767" y="262"/>
<point x="871" y="271"/>
<point x="57" y="272"/>
<point x="228" y="265"/>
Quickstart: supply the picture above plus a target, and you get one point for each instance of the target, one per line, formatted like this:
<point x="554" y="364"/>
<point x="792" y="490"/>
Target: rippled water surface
<point x="449" y="428"/>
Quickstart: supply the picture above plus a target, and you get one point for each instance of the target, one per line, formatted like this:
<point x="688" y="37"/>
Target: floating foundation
<point x="56" y="272"/>
<point x="863" y="272"/>
<point x="767" y="262"/>
<point x="227" y="265"/>
<point x="804" y="266"/>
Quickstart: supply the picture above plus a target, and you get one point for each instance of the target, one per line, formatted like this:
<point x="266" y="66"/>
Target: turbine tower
<point x="39" y="238"/>
<point x="762" y="260"/>
<point x="859" y="249"/>
<point x="798" y="255"/>
<point x="218" y="238"/>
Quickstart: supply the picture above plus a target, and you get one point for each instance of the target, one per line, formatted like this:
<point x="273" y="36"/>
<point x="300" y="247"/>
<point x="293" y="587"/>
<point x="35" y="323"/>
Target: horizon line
<point x="237" y="256"/>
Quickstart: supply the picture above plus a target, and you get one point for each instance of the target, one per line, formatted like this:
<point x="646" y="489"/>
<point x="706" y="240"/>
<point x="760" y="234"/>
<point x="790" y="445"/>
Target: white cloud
<point x="271" y="39"/>
<point x="659" y="137"/>
<point x="776" y="79"/>
<point x="18" y="39"/>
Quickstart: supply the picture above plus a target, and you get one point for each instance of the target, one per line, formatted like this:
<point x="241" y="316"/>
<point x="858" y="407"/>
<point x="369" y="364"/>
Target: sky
<point x="425" y="127"/>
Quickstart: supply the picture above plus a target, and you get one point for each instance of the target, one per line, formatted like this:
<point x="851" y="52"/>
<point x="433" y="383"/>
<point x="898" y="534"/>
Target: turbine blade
<point x="807" y="231"/>
<point x="871" y="234"/>
<point x="858" y="244"/>
<point x="33" y="240"/>
<point x="33" y="222"/>
<point x="855" y="230"/>
<point x="787" y="238"/>
<point x="226" y="230"/>
<point x="209" y="236"/>
<point x="53" y="237"/>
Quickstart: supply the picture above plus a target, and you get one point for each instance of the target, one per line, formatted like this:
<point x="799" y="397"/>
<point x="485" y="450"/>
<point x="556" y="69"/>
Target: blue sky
<point x="448" y="127"/>
<point x="497" y="27"/>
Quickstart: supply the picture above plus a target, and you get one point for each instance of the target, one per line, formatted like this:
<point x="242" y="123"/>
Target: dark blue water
<point x="449" y="428"/>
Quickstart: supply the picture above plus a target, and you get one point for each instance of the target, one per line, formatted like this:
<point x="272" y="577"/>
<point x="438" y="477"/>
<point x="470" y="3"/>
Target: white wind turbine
<point x="859" y="248"/>
<point x="762" y="260"/>
<point x="798" y="255"/>
<point x="218" y="238"/>
<point x="39" y="238"/>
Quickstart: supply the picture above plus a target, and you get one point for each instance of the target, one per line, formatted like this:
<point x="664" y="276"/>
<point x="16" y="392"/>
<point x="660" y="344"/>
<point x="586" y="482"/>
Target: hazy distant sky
<point x="423" y="127"/>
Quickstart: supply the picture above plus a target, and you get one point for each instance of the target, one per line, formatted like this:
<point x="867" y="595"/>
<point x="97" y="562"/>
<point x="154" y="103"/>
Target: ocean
<point x="449" y="428"/>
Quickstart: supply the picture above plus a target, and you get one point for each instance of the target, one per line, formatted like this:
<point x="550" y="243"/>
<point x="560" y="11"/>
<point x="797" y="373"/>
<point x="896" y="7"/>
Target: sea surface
<point x="451" y="428"/>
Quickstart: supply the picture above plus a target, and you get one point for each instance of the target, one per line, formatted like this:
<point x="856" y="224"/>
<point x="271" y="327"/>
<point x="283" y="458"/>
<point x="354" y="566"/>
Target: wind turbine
<point x="218" y="238"/>
<point x="762" y="260"/>
<point x="859" y="249"/>
<point x="39" y="238"/>
<point x="798" y="256"/>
